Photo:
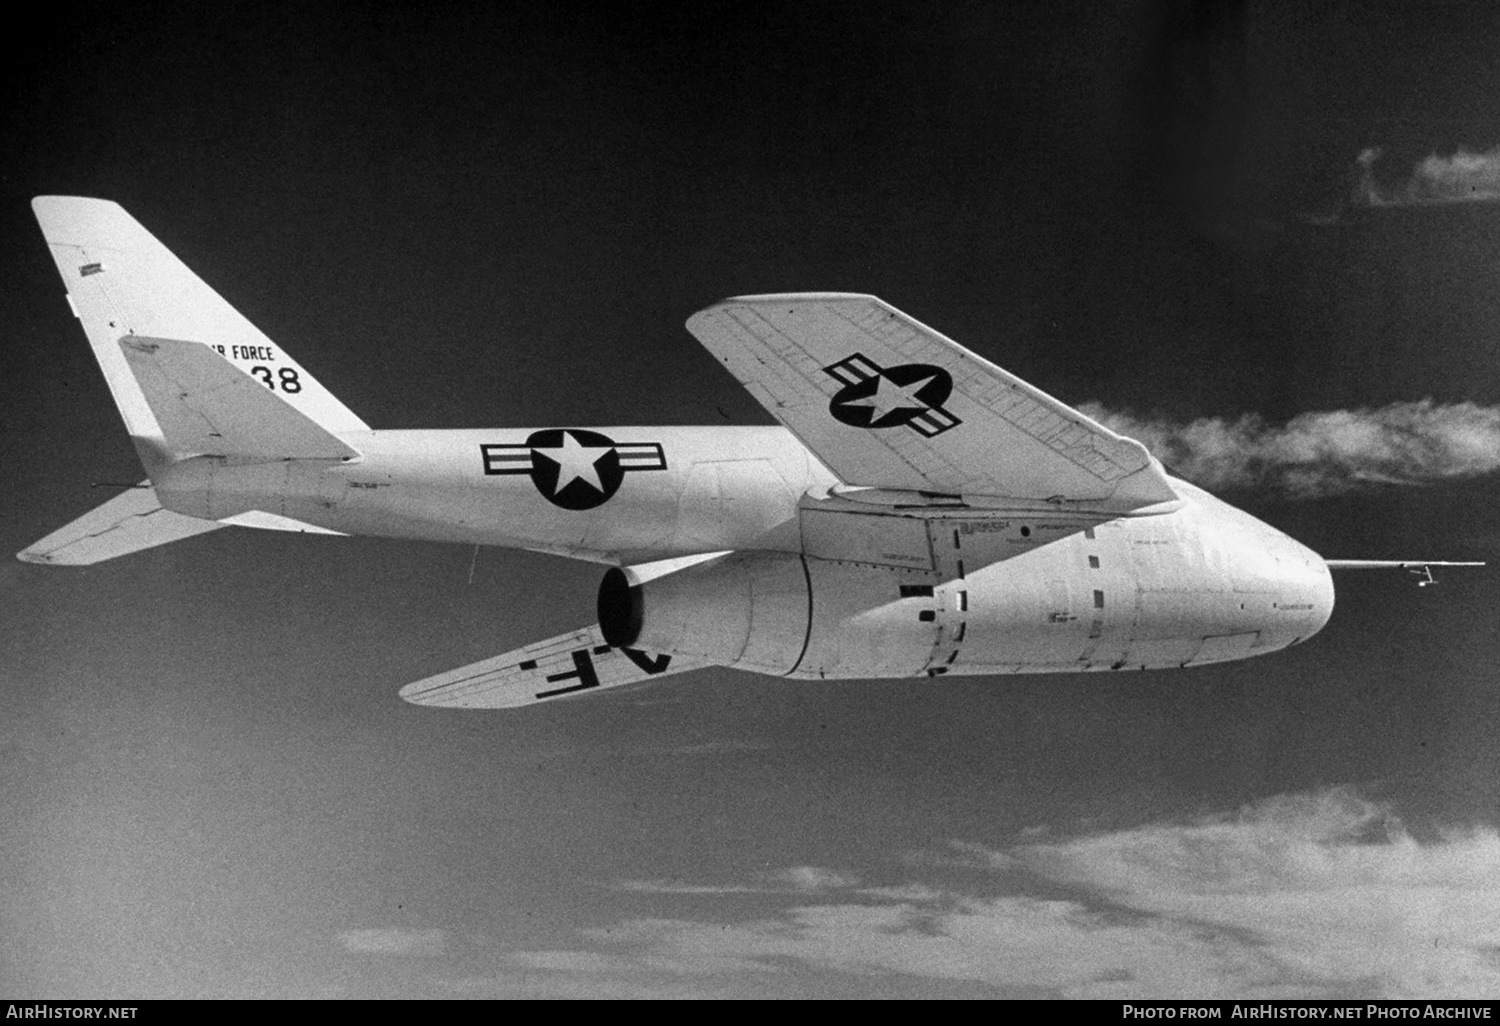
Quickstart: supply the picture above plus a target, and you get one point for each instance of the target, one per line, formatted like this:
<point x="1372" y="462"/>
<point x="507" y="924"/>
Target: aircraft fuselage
<point x="889" y="589"/>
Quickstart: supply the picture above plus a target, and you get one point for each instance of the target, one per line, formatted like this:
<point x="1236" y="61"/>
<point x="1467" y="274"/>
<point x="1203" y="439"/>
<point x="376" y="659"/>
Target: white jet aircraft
<point x="920" y="512"/>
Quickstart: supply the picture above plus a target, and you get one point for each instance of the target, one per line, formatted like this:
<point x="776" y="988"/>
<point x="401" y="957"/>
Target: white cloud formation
<point x="1465" y="177"/>
<point x="411" y="943"/>
<point x="1316" y="896"/>
<point x="1328" y="453"/>
<point x="680" y="887"/>
<point x="804" y="879"/>
<point x="1332" y="888"/>
<point x="811" y="878"/>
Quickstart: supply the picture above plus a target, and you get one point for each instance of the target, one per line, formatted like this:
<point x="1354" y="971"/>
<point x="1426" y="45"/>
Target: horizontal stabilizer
<point x="577" y="663"/>
<point x="127" y="523"/>
<point x="206" y="406"/>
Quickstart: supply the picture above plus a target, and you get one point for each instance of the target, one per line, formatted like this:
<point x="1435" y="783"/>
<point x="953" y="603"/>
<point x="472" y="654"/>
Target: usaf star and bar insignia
<point x="877" y="397"/>
<point x="571" y="467"/>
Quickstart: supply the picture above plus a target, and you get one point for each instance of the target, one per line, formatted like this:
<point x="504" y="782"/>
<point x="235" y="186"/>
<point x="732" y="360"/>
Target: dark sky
<point x="501" y="216"/>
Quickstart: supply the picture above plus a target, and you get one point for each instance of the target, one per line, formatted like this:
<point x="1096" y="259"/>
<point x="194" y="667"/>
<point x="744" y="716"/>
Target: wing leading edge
<point x="887" y="402"/>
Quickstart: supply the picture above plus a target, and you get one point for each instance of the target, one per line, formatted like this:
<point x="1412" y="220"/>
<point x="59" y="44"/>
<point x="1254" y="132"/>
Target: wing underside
<point x="576" y="663"/>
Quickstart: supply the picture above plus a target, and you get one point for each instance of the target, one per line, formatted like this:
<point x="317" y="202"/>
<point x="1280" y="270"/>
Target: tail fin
<point x="122" y="282"/>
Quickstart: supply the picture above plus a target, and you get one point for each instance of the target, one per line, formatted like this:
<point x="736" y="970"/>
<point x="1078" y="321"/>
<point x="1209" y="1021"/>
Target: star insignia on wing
<point x="876" y="397"/>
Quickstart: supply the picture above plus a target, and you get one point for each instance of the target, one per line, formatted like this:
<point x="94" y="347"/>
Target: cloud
<point x="601" y="964"/>
<point x="1017" y="946"/>
<point x="1324" y="895"/>
<point x="968" y="855"/>
<point x="679" y="887"/>
<point x="812" y="878"/>
<point x="1320" y="454"/>
<point x="805" y="879"/>
<point x="413" y="943"/>
<point x="1332" y="889"/>
<point x="584" y="979"/>
<point x="1464" y="177"/>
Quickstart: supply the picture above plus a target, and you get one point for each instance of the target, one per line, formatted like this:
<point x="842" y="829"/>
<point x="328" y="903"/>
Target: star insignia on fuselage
<point x="575" y="460"/>
<point x="878" y="397"/>
<point x="573" y="468"/>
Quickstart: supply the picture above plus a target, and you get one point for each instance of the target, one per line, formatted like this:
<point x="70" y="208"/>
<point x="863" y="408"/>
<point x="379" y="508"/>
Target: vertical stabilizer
<point x="122" y="282"/>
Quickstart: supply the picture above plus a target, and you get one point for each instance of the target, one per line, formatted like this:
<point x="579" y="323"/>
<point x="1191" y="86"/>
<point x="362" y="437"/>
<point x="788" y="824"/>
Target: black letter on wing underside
<point x="645" y="662"/>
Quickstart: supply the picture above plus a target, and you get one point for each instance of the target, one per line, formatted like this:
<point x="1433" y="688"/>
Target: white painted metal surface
<point x="922" y="512"/>
<point x="978" y="430"/>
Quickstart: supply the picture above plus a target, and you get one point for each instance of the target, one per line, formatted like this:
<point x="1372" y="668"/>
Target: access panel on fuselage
<point x="744" y="503"/>
<point x="879" y="539"/>
<point x="1022" y="593"/>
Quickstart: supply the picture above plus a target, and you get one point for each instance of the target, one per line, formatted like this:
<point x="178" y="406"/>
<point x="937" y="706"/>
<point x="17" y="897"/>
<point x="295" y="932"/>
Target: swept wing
<point x="886" y="402"/>
<point x="577" y="663"/>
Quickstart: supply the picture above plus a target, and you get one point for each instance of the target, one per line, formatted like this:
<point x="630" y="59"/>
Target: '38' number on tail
<point x="287" y="376"/>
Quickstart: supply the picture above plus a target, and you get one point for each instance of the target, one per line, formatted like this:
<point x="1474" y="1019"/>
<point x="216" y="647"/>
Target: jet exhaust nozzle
<point x="621" y="609"/>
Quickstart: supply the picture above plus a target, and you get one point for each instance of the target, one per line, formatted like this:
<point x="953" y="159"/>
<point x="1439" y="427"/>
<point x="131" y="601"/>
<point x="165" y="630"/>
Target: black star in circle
<point x="895" y="396"/>
<point x="574" y="468"/>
